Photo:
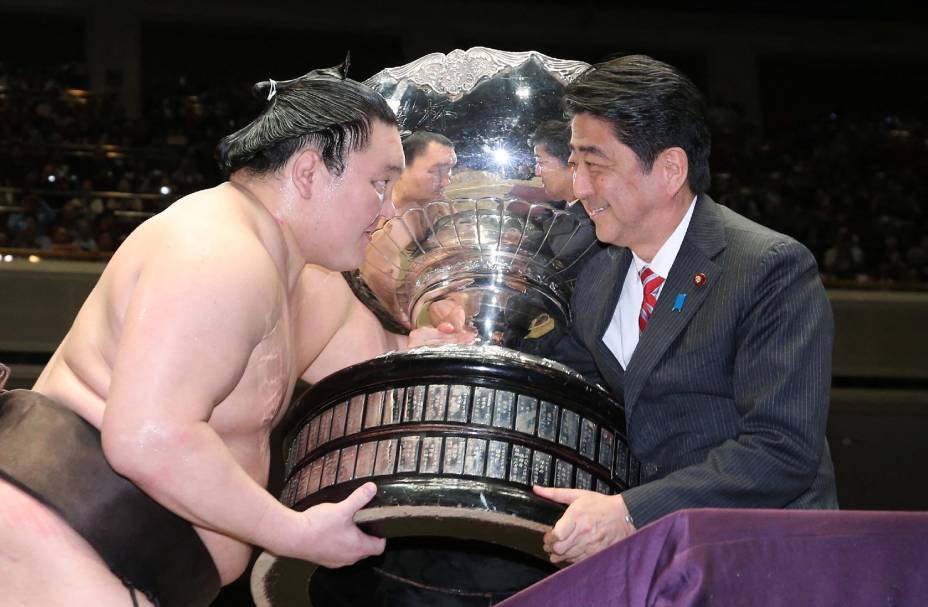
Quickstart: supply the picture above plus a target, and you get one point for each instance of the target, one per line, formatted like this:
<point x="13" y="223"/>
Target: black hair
<point x="414" y="144"/>
<point x="322" y="110"/>
<point x="555" y="136"/>
<point x="651" y="106"/>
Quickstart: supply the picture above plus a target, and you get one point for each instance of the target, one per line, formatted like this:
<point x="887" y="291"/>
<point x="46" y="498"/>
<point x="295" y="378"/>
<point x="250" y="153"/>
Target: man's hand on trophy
<point x="448" y="319"/>
<point x="447" y="314"/>
<point x="592" y="522"/>
<point x="445" y="334"/>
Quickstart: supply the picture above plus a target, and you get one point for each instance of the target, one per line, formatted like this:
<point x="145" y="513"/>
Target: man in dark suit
<point x="573" y="241"/>
<point x="551" y="148"/>
<point x="715" y="331"/>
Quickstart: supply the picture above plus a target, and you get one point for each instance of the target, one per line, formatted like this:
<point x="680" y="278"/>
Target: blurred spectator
<point x="892" y="262"/>
<point x="27" y="235"/>
<point x="106" y="243"/>
<point x="62" y="240"/>
<point x="84" y="235"/>
<point x="844" y="260"/>
<point x="34" y="208"/>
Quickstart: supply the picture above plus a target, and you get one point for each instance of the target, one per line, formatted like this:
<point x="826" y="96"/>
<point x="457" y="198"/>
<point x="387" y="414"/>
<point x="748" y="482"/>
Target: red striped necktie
<point x="652" y="288"/>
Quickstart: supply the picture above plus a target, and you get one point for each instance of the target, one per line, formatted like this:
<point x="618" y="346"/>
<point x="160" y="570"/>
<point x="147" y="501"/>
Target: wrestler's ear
<point x="673" y="165"/>
<point x="308" y="172"/>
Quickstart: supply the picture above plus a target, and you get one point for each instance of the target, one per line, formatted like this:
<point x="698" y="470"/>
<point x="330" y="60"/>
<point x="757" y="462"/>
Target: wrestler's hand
<point x="447" y="316"/>
<point x="331" y="538"/>
<point x="443" y="334"/>
<point x="592" y="522"/>
<point x="446" y="312"/>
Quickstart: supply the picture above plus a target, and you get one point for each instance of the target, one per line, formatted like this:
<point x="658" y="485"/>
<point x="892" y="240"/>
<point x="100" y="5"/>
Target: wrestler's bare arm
<point x="356" y="334"/>
<point x="198" y="310"/>
<point x="338" y="328"/>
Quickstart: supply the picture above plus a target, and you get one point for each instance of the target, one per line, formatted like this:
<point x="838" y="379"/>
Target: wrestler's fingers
<point x="447" y="312"/>
<point x="444" y="336"/>
<point x="371" y="545"/>
<point x="434" y="334"/>
<point x="466" y="336"/>
<point x="359" y="497"/>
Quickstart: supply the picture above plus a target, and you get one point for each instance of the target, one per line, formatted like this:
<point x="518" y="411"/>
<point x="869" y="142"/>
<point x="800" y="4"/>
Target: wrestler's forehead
<point x="384" y="151"/>
<point x="436" y="154"/>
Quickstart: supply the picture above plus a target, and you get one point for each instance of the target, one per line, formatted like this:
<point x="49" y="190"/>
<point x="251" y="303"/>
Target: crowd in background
<point x="852" y="188"/>
<point x="77" y="174"/>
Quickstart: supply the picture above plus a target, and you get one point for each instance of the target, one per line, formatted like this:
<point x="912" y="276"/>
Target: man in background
<point x="551" y="147"/>
<point x="430" y="159"/>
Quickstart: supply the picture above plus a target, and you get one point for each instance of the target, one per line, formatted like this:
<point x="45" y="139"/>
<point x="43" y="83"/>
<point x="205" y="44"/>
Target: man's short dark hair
<point x="555" y="136"/>
<point x="320" y="110"/>
<point x="651" y="107"/>
<point x="414" y="145"/>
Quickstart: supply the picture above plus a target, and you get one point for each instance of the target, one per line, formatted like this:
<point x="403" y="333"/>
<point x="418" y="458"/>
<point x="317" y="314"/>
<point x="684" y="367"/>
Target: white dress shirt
<point x="622" y="334"/>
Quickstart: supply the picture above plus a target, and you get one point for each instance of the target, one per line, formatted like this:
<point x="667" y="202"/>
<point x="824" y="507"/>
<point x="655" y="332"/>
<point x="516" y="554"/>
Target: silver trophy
<point x="455" y="436"/>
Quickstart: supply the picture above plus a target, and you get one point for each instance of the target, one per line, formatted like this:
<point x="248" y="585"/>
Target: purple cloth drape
<point x="752" y="557"/>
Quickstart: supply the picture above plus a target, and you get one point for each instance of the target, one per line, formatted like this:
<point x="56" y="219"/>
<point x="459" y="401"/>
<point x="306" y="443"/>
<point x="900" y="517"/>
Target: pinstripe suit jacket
<point x="726" y="399"/>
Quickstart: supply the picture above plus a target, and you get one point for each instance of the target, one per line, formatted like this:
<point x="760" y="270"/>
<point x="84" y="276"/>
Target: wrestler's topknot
<point x="323" y="109"/>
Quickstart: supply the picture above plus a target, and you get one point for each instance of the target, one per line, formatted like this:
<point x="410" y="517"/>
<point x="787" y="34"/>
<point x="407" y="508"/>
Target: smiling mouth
<point x="597" y="211"/>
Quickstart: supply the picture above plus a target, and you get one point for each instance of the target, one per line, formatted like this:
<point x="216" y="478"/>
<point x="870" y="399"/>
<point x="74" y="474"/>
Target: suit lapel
<point x="601" y="309"/>
<point x="705" y="237"/>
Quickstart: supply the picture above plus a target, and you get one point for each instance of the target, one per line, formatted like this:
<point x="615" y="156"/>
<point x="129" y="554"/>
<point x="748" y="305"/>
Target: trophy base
<point x="454" y="438"/>
<point x="446" y="555"/>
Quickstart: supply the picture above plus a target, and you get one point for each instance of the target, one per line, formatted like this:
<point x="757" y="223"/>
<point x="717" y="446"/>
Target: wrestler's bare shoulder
<point x="207" y="218"/>
<point x="213" y="240"/>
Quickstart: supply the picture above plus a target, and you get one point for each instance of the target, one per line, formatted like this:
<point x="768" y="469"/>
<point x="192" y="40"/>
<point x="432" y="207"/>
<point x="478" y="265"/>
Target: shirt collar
<point x="668" y="252"/>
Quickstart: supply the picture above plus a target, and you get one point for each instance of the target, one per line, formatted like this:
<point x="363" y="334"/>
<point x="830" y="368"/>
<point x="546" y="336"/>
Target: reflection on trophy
<point x="504" y="260"/>
<point x="455" y="436"/>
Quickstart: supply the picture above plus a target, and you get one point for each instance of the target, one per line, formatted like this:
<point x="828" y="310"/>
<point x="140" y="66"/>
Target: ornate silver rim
<point x="460" y="71"/>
